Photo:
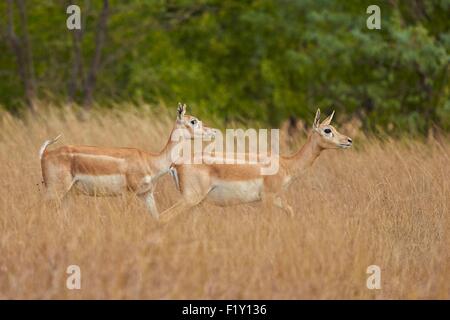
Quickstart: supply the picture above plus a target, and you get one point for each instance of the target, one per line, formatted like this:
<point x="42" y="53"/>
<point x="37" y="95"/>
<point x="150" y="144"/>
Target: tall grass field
<point x="385" y="202"/>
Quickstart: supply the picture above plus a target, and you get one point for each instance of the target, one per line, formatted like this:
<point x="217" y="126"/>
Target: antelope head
<point x="326" y="136"/>
<point x="191" y="126"/>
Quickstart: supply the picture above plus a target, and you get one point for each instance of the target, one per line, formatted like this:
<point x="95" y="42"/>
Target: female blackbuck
<point x="226" y="184"/>
<point x="100" y="171"/>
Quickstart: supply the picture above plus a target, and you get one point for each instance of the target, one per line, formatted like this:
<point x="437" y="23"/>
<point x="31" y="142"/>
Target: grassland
<point x="384" y="202"/>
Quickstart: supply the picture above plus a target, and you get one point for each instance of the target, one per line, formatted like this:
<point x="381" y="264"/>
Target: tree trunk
<point x="99" y="42"/>
<point x="76" y="74"/>
<point x="76" y="79"/>
<point x="22" y="50"/>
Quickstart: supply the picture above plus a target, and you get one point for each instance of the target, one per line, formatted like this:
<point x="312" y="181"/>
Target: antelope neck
<point x="304" y="157"/>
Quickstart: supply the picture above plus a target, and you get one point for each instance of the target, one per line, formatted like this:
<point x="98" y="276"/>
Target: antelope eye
<point x="327" y="130"/>
<point x="193" y="122"/>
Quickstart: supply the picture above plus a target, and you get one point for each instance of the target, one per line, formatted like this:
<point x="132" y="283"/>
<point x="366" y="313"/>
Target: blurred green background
<point x="234" y="60"/>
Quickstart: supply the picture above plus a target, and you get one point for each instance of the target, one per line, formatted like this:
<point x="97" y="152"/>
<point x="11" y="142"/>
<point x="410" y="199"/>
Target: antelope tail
<point x="46" y="144"/>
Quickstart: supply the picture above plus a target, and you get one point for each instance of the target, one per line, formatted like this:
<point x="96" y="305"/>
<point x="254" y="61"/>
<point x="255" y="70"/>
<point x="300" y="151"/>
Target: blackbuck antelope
<point x="100" y="171"/>
<point x="228" y="184"/>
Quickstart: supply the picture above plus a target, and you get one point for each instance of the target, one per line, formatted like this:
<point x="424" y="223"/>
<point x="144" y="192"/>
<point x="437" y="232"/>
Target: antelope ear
<point x="317" y="119"/>
<point x="327" y="121"/>
<point x="181" y="110"/>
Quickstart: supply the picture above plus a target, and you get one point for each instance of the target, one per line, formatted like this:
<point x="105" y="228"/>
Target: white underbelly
<point x="234" y="192"/>
<point x="105" y="185"/>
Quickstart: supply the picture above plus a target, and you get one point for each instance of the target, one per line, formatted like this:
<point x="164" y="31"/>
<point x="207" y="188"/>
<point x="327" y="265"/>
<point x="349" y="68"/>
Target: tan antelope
<point x="228" y="184"/>
<point x="101" y="171"/>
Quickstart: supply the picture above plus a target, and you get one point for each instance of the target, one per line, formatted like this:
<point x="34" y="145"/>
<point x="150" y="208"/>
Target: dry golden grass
<point x="383" y="203"/>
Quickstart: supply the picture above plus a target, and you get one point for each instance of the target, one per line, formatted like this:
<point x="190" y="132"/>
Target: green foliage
<point x="261" y="60"/>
